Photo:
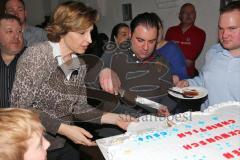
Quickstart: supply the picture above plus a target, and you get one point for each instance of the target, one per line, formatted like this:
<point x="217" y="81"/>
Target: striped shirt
<point x="7" y="74"/>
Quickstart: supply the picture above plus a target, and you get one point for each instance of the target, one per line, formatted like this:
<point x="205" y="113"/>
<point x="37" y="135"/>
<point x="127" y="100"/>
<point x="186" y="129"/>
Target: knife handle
<point x="127" y="97"/>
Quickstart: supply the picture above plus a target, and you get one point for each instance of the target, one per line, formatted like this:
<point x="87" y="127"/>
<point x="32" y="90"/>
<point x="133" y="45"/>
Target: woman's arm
<point x="29" y="74"/>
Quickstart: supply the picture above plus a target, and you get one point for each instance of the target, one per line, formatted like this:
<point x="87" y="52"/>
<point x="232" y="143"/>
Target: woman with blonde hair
<point x="21" y="135"/>
<point x="50" y="78"/>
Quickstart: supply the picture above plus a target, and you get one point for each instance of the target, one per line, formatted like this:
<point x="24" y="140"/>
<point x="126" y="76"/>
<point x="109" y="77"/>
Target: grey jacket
<point x="41" y="85"/>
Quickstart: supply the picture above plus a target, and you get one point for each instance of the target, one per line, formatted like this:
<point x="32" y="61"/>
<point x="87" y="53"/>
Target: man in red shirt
<point x="190" y="38"/>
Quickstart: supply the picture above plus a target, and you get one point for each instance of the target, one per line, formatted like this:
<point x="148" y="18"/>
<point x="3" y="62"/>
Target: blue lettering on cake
<point x="201" y="122"/>
<point x="175" y="130"/>
<point x="149" y="137"/>
<point x="163" y="133"/>
<point x="156" y="135"/>
<point x="188" y="126"/>
<point x="215" y="118"/>
<point x="152" y="136"/>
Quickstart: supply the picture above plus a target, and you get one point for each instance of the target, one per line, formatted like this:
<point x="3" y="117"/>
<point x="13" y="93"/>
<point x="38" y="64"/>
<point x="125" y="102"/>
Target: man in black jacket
<point x="11" y="47"/>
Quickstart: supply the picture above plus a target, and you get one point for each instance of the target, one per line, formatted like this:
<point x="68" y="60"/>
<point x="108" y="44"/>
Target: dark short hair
<point x="70" y="17"/>
<point x="158" y="19"/>
<point x="235" y="5"/>
<point x="23" y="3"/>
<point x="9" y="17"/>
<point x="185" y="5"/>
<point x="116" y="29"/>
<point x="145" y="19"/>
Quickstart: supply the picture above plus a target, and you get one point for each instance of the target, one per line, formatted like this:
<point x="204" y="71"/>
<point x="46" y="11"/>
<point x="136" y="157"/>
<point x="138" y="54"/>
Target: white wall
<point x="35" y="11"/>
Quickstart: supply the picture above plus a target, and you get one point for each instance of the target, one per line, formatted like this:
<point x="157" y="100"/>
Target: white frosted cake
<point x="210" y="135"/>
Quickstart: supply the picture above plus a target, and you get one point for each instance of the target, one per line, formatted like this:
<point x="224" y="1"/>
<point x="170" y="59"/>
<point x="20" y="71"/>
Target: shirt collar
<point x="56" y="49"/>
<point x="223" y="51"/>
<point x="57" y="53"/>
<point x="69" y="67"/>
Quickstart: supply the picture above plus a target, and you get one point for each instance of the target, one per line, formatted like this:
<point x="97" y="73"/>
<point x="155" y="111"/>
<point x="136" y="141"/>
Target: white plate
<point x="202" y="92"/>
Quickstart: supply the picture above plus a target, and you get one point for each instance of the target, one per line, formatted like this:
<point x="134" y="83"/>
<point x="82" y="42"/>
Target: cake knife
<point x="141" y="101"/>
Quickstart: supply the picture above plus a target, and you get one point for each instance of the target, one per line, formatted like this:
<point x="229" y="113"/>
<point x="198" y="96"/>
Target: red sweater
<point x="191" y="42"/>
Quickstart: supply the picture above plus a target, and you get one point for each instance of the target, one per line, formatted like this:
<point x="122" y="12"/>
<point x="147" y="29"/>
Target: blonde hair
<point x="70" y="16"/>
<point x="16" y="127"/>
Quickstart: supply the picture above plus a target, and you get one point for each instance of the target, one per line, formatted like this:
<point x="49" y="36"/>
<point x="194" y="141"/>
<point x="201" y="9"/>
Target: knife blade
<point x="141" y="101"/>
